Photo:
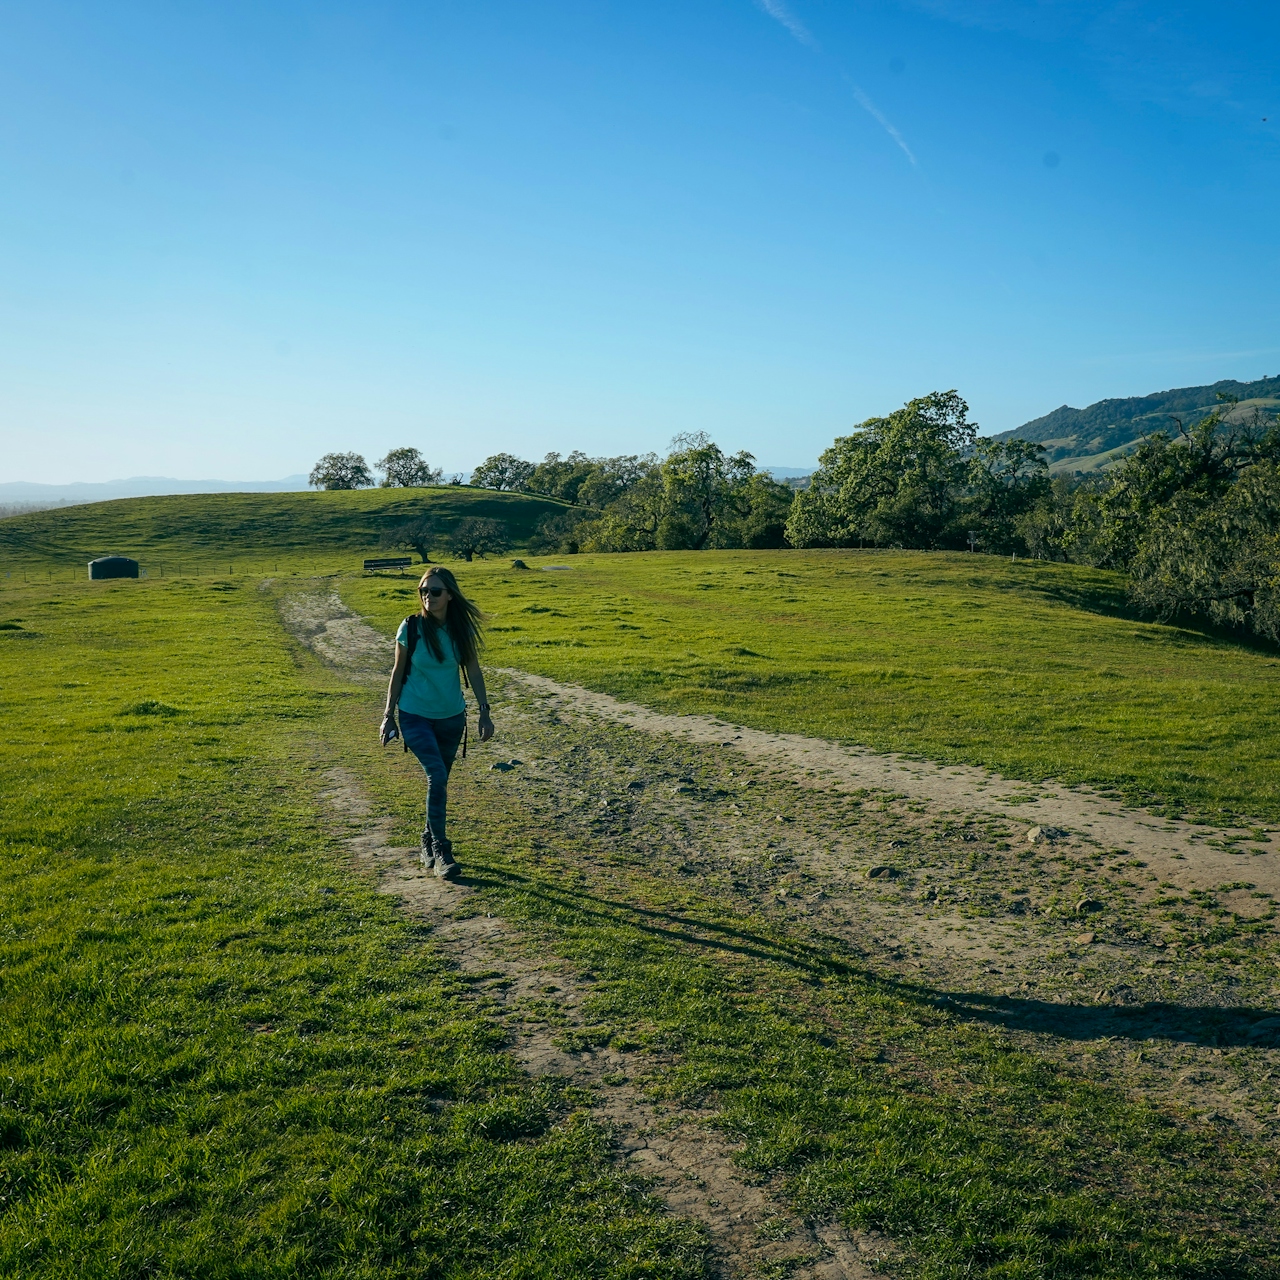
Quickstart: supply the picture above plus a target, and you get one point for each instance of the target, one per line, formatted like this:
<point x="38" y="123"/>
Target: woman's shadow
<point x="1214" y="1025"/>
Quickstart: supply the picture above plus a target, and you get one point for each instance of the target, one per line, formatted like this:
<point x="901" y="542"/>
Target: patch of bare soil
<point x="685" y="1163"/>
<point x="341" y="638"/>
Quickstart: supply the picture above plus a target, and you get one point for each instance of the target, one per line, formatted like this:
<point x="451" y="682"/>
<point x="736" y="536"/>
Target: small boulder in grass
<point x="881" y="873"/>
<point x="1084" y="939"/>
<point x="1087" y="906"/>
<point x="1042" y="835"/>
<point x="519" y="564"/>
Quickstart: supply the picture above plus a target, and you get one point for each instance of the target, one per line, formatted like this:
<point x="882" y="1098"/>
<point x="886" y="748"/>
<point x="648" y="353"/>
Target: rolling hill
<point x="1089" y="439"/>
<point x="290" y="525"/>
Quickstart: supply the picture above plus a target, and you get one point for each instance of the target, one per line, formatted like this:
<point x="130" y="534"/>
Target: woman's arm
<point x="393" y="693"/>
<point x="476" y="680"/>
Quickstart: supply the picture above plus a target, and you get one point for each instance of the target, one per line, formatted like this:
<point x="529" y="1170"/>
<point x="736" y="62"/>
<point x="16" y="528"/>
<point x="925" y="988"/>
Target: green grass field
<point x="222" y="1053"/>
<point x="1033" y="669"/>
<point x="244" y="532"/>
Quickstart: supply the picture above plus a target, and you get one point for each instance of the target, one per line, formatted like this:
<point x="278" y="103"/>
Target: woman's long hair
<point x="464" y="621"/>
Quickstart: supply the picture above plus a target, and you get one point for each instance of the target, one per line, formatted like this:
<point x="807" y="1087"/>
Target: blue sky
<point x="235" y="236"/>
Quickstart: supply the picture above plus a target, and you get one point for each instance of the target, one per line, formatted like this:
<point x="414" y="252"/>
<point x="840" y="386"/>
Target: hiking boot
<point x="428" y="854"/>
<point x="446" y="867"/>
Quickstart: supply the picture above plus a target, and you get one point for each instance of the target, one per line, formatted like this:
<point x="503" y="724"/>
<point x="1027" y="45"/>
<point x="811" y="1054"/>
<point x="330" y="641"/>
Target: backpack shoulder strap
<point x="412" y="628"/>
<point x="411" y="639"/>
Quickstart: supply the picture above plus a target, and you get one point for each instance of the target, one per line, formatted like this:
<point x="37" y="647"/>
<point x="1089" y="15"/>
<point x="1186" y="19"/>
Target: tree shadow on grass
<point x="1113" y="602"/>
<point x="1211" y="1025"/>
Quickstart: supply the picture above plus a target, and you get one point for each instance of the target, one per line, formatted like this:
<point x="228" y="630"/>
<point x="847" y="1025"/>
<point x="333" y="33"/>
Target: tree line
<point x="1192" y="515"/>
<point x="696" y="498"/>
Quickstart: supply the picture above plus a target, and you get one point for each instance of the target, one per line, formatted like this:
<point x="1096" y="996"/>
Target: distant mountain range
<point x="23" y="495"/>
<point x="141" y="487"/>
<point x="22" y="491"/>
<point x="1089" y="439"/>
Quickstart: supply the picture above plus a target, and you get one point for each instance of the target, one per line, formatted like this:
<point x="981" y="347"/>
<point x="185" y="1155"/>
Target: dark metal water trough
<point x="113" y="567"/>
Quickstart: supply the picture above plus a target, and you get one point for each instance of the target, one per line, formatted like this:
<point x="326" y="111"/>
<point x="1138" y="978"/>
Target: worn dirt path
<point x="1188" y="855"/>
<point x="690" y="1166"/>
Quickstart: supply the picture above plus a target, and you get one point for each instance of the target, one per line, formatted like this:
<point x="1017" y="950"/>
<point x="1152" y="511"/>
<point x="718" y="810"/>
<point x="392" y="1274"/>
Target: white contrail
<point x="876" y="114"/>
<point x="777" y="10"/>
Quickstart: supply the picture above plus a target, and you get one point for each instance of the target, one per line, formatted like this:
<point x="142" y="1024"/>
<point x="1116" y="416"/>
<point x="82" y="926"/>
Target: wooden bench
<point x="392" y="562"/>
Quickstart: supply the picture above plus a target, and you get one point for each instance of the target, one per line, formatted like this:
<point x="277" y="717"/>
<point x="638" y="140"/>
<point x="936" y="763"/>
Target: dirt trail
<point x="690" y="1165"/>
<point x="342" y="638"/>
<point x="1179" y="851"/>
<point x="1130" y="989"/>
<point x="1190" y="856"/>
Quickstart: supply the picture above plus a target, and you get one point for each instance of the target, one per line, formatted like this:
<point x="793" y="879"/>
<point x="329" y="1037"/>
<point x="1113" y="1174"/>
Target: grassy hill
<point x="1091" y="438"/>
<point x="195" y="529"/>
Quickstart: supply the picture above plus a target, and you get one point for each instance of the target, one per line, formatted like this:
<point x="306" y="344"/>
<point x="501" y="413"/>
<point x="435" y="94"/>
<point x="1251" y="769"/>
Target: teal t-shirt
<point x="433" y="688"/>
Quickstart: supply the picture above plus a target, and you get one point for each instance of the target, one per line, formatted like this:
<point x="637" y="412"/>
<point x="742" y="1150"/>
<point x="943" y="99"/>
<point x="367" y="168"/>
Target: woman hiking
<point x="431" y="648"/>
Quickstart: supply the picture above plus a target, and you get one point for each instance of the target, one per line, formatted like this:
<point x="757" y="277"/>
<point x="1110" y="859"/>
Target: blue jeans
<point x="435" y="743"/>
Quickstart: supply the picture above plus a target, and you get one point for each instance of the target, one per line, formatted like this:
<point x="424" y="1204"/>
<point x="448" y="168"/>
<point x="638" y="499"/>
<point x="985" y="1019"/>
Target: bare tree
<point x="419" y="534"/>
<point x="478" y="536"/>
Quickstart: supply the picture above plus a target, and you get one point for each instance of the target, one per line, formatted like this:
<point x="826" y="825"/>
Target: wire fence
<point x="62" y="573"/>
<point x="156" y="569"/>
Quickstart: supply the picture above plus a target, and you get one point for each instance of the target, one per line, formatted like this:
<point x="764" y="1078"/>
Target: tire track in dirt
<point x="928" y="920"/>
<point x="685" y="1163"/>
<point x="1178" y="851"/>
<point x="688" y="1165"/>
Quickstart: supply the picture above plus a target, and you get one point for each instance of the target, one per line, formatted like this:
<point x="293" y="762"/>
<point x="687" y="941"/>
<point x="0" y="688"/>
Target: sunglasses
<point x="433" y="592"/>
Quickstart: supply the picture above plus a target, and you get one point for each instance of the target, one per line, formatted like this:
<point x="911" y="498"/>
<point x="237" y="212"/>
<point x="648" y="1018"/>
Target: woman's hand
<point x="486" y="727"/>
<point x="389" y="732"/>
